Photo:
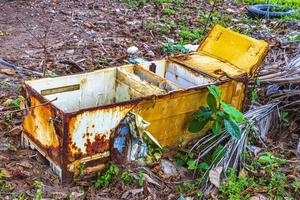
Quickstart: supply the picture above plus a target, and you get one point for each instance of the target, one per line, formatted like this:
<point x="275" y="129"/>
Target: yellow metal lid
<point x="244" y="52"/>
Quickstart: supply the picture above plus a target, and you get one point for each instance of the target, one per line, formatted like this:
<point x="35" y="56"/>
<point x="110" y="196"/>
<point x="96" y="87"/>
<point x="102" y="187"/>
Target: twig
<point x="19" y="69"/>
<point x="29" y="108"/>
<point x="72" y="63"/>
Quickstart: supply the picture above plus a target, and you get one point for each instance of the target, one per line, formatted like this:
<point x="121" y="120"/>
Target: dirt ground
<point x="63" y="37"/>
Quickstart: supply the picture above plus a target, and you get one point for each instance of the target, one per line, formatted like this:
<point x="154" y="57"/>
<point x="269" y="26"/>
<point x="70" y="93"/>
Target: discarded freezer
<point x="73" y="119"/>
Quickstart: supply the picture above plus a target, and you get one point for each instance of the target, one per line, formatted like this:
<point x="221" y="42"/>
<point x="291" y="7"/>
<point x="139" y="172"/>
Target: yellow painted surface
<point x="208" y="65"/>
<point x="166" y="97"/>
<point x="242" y="51"/>
<point x="170" y="115"/>
<point x="39" y="125"/>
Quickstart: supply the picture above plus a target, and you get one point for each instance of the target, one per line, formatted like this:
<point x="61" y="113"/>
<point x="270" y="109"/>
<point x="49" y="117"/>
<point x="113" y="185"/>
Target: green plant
<point x="277" y="185"/>
<point x="39" y="189"/>
<point x="284" y="117"/>
<point x="171" y="48"/>
<point x="217" y="112"/>
<point x="235" y="185"/>
<point x="169" y="11"/>
<point x="134" y="3"/>
<point x="161" y="28"/>
<point x="187" y="35"/>
<point x="104" y="179"/>
<point x="269" y="159"/>
<point x="16" y="103"/>
<point x="296" y="185"/>
<point x="126" y="178"/>
<point x="21" y="197"/>
<point x="4" y="187"/>
<point x="254" y="91"/>
<point x="141" y="179"/>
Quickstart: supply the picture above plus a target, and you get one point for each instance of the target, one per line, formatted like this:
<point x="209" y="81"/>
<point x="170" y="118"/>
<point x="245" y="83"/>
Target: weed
<point x="161" y="28"/>
<point x="5" y="84"/>
<point x="296" y="185"/>
<point x="104" y="179"/>
<point x="16" y="103"/>
<point x="171" y="48"/>
<point x="126" y="178"/>
<point x="277" y="185"/>
<point x="269" y="159"/>
<point x="215" y="18"/>
<point x="187" y="35"/>
<point x="21" y="197"/>
<point x="218" y="112"/>
<point x="254" y="91"/>
<point x="284" y="118"/>
<point x="39" y="190"/>
<point x="100" y="62"/>
<point x="234" y="185"/>
<point x="4" y="187"/>
<point x="169" y="11"/>
<point x="19" y="88"/>
<point x="141" y="179"/>
<point x="8" y="118"/>
<point x="134" y="3"/>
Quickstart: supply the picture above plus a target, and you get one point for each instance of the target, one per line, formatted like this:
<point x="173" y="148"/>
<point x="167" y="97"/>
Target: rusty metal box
<point x="72" y="120"/>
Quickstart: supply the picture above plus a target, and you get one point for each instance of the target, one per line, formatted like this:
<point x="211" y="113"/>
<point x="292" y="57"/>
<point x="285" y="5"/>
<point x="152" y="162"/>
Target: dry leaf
<point x="9" y="72"/>
<point x="7" y="103"/>
<point x="215" y="176"/>
<point x="89" y="25"/>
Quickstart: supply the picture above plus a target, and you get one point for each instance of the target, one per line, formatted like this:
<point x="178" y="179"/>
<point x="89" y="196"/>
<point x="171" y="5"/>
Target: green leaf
<point x="214" y="90"/>
<point x="196" y="125"/>
<point x="232" y="128"/>
<point x="202" y="114"/>
<point x="269" y="158"/>
<point x="203" y="166"/>
<point x="211" y="102"/>
<point x="217" y="126"/>
<point x="192" y="165"/>
<point x="232" y="112"/>
<point x="16" y="103"/>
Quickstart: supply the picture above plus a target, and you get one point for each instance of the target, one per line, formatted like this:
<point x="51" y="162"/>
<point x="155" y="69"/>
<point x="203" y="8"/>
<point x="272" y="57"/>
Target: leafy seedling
<point x="217" y="112"/>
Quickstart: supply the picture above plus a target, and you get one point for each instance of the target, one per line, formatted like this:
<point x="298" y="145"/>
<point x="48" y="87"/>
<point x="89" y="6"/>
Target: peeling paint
<point x="85" y="125"/>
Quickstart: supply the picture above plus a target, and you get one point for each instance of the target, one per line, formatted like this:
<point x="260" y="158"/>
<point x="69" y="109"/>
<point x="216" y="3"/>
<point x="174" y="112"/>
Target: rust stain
<point x="100" y="145"/>
<point x="90" y="135"/>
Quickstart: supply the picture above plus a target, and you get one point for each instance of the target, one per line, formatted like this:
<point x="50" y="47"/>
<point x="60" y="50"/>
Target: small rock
<point x="132" y="50"/>
<point x="150" y="53"/>
<point x="168" y="167"/>
<point x="118" y="10"/>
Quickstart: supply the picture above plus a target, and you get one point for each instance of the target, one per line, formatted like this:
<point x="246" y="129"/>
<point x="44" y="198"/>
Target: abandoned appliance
<point x="80" y="119"/>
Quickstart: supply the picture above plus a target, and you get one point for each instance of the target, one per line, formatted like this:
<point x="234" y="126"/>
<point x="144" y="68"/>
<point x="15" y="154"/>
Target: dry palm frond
<point x="260" y="119"/>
